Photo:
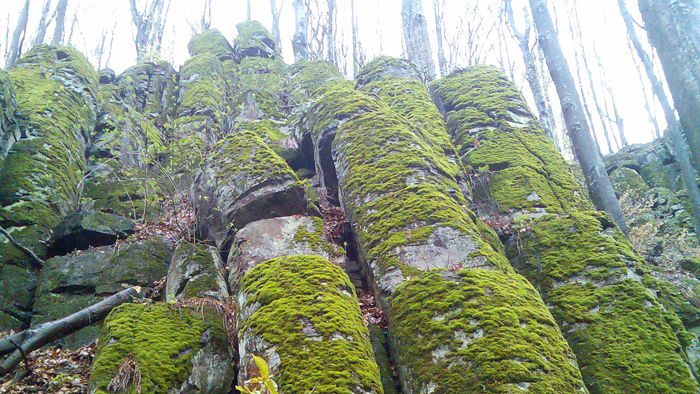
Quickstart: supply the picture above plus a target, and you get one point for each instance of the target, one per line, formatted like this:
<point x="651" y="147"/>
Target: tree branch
<point x="37" y="262"/>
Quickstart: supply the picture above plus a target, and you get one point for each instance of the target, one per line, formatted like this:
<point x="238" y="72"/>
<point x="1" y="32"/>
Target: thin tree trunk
<point x="673" y="27"/>
<point x="41" y="29"/>
<point x="275" y="23"/>
<point x="645" y="93"/>
<point x="59" y="29"/>
<point x="531" y="72"/>
<point x="356" y="51"/>
<point x="415" y="32"/>
<point x="439" y="22"/>
<point x="300" y="44"/>
<point x="594" y="171"/>
<point x="332" y="53"/>
<point x="42" y="334"/>
<point x="678" y="143"/>
<point x="18" y="36"/>
<point x="248" y="10"/>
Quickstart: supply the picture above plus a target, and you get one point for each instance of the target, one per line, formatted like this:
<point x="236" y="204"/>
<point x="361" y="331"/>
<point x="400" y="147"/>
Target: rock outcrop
<point x="593" y="281"/>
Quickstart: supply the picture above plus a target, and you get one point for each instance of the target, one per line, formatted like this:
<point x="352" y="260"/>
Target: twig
<point x="37" y="262"/>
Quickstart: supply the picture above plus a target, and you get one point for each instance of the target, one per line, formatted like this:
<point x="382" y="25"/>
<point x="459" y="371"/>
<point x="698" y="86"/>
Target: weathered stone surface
<point x="412" y="224"/>
<point x="245" y="181"/>
<point x="196" y="270"/>
<point x="592" y="280"/>
<point x="253" y="40"/>
<point x="177" y="350"/>
<point x="281" y="236"/>
<point x="85" y="228"/>
<point x="8" y="106"/>
<point x="55" y="97"/>
<point x="300" y="313"/>
<point x="70" y="283"/>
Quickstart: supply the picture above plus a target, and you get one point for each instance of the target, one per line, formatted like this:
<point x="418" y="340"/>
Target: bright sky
<point x="379" y="24"/>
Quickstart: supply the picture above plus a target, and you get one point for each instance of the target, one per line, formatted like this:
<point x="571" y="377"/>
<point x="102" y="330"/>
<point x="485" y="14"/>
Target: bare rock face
<point x="614" y="314"/>
<point x="276" y="237"/>
<point x="196" y="271"/>
<point x="70" y="283"/>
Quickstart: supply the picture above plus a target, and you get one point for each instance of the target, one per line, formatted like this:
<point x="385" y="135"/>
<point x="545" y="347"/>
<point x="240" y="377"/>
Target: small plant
<point x="262" y="384"/>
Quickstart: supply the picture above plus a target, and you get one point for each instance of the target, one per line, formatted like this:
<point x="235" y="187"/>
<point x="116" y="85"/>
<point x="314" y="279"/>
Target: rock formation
<point x="368" y="236"/>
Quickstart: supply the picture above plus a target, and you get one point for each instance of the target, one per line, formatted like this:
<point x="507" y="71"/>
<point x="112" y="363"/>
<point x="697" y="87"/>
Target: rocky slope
<point x="368" y="236"/>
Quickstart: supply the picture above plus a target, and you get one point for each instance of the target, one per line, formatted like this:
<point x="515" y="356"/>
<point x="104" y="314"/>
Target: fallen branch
<point x="38" y="336"/>
<point x="37" y="262"/>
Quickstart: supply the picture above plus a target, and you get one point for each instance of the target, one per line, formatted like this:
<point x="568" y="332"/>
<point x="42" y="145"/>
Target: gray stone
<point x="83" y="229"/>
<point x="196" y="270"/>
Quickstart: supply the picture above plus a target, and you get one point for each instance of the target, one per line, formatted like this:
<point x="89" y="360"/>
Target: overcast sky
<point x="379" y="23"/>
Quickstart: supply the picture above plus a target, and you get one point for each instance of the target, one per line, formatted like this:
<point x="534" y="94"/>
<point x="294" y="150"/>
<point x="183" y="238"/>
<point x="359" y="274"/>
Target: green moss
<point x="253" y="40"/>
<point x="478" y="331"/>
<point x="305" y="77"/>
<point x="306" y="308"/>
<point x="196" y="261"/>
<point x="493" y="128"/>
<point x="396" y="199"/>
<point x="596" y="287"/>
<point x="162" y="340"/>
<point x="314" y="237"/>
<point x="385" y="66"/>
<point x="211" y="42"/>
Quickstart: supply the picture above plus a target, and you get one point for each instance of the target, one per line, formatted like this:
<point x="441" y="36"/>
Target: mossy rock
<point x="173" y="348"/>
<point x="86" y="228"/>
<point x="301" y="314"/>
<point x="253" y="40"/>
<point x="478" y="331"/>
<point x="385" y="66"/>
<point x="210" y="41"/>
<point x="17" y="286"/>
<point x="597" y="288"/>
<point x="70" y="283"/>
<point x="8" y="106"/>
<point x="196" y="271"/>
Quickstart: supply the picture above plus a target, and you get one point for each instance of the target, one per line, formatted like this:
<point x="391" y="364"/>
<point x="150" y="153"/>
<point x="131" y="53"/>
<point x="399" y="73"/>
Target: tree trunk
<point x="357" y="60"/>
<point x="41" y="29"/>
<point x="275" y="23"/>
<point x="415" y="31"/>
<point x="17" y="345"/>
<point x="332" y="53"/>
<point x="300" y="44"/>
<point x="531" y="72"/>
<point x="594" y="171"/>
<point x="673" y="27"/>
<point x="678" y="143"/>
<point x="439" y="22"/>
<point x="647" y="105"/>
<point x="247" y="10"/>
<point x="59" y="29"/>
<point x="18" y="36"/>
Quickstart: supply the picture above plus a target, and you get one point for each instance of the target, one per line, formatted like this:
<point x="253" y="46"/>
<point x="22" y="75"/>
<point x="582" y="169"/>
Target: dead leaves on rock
<point x="128" y="374"/>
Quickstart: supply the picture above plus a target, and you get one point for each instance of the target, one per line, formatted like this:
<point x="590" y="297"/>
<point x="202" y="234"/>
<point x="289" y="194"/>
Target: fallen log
<point x="22" y="343"/>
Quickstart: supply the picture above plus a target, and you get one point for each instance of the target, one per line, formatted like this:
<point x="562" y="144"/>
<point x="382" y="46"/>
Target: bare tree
<point x="678" y="143"/>
<point x="149" y="25"/>
<point x="332" y="51"/>
<point x="439" y="11"/>
<point x="673" y="27"/>
<point x="594" y="171"/>
<point x="539" y="92"/>
<point x="248" y="12"/>
<point x="300" y="39"/>
<point x="415" y="32"/>
<point x="276" y="11"/>
<point x="59" y="28"/>
<point x="15" y="49"/>
<point x="205" y="21"/>
<point x="41" y="29"/>
<point x="358" y="57"/>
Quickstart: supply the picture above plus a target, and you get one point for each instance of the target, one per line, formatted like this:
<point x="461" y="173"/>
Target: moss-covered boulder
<point x="253" y="40"/>
<point x="196" y="271"/>
<point x="55" y="97"/>
<point x="8" y="106"/>
<point x="592" y="280"/>
<point x="275" y="237"/>
<point x="244" y="181"/>
<point x="413" y="227"/>
<point x="300" y="313"/>
<point x="83" y="229"/>
<point x="70" y="283"/>
<point x="175" y="349"/>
